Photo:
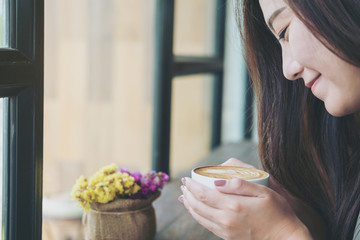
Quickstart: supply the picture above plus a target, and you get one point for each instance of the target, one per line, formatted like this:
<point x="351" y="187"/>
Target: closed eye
<point x="282" y="34"/>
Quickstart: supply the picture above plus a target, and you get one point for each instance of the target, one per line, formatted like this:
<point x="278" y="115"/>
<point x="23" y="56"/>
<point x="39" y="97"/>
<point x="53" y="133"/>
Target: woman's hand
<point x="306" y="214"/>
<point x="237" y="209"/>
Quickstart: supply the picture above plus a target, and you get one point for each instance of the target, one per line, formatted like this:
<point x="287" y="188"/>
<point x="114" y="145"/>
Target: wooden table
<point x="173" y="220"/>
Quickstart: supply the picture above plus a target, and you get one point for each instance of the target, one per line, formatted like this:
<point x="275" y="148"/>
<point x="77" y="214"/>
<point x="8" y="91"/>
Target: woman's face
<point x="330" y="78"/>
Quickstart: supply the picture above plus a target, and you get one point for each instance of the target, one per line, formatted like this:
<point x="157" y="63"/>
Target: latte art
<point x="230" y="172"/>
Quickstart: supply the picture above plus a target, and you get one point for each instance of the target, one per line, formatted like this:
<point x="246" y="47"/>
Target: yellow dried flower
<point x="82" y="193"/>
<point x="104" y="186"/>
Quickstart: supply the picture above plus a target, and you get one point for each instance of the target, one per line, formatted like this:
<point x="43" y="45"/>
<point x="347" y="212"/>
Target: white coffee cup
<point x="208" y="174"/>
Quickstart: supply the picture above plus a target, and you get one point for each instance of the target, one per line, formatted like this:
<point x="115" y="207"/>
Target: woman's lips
<point x="311" y="83"/>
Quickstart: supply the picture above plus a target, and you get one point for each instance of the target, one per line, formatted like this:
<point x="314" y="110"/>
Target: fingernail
<point x="182" y="188"/>
<point x="220" y="183"/>
<point x="183" y="180"/>
<point x="181" y="199"/>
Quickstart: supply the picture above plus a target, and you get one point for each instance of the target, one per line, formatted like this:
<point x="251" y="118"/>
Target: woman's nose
<point x="292" y="69"/>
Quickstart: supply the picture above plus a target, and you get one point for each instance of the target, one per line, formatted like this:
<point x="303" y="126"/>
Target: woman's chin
<point x="337" y="110"/>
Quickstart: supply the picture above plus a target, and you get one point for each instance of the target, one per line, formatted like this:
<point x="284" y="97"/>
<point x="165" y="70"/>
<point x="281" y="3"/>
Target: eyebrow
<point x="273" y="16"/>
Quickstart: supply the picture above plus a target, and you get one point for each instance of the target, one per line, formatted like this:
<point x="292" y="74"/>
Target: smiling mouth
<point x="309" y="84"/>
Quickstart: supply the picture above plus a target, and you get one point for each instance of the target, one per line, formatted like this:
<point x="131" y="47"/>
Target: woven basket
<point x="121" y="219"/>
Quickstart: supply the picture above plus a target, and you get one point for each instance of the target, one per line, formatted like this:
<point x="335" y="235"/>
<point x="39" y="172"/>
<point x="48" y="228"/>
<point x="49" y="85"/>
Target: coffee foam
<point x="208" y="174"/>
<point x="229" y="172"/>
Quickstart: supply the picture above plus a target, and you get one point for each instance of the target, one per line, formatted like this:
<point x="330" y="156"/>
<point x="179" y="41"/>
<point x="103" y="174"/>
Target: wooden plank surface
<point x="173" y="220"/>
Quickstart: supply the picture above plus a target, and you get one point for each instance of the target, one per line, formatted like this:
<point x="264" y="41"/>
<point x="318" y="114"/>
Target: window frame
<point x="21" y="84"/>
<point x="167" y="66"/>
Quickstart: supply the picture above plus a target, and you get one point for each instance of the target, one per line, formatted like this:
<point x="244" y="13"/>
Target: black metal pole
<point x="218" y="79"/>
<point x="163" y="47"/>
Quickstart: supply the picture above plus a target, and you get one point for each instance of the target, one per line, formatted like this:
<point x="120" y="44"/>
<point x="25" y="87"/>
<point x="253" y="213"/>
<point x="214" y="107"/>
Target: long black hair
<point x="313" y="154"/>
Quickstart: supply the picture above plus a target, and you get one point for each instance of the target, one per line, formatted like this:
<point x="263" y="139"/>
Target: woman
<point x="309" y="127"/>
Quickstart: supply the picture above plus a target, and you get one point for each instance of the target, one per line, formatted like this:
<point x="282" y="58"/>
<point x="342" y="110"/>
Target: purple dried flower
<point x="149" y="183"/>
<point x="136" y="175"/>
<point x="153" y="188"/>
<point x="145" y="191"/>
<point x="124" y="170"/>
<point x="164" y="176"/>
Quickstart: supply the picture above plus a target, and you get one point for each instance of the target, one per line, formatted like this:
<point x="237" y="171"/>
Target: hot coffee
<point x="208" y="174"/>
<point x="229" y="172"/>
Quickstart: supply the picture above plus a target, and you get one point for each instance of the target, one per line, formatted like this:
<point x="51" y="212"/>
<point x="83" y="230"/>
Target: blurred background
<point x="99" y="61"/>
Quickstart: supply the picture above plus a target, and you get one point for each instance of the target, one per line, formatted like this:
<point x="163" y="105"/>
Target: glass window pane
<point x="190" y="121"/>
<point x="98" y="98"/>
<point x="194" y="27"/>
<point x="3" y="23"/>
